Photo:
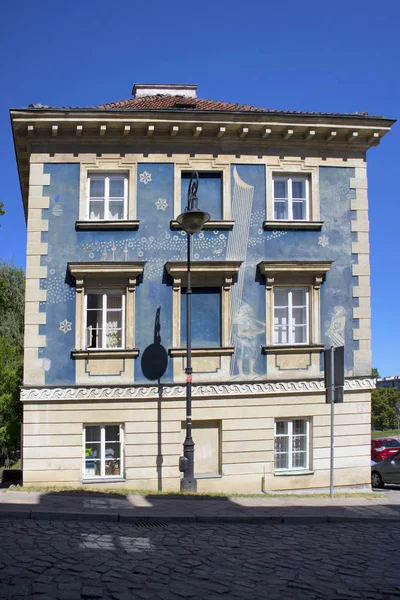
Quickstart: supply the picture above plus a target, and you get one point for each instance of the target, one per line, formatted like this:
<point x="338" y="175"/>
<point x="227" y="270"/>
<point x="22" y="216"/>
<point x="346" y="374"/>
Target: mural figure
<point x="245" y="329"/>
<point x="335" y="330"/>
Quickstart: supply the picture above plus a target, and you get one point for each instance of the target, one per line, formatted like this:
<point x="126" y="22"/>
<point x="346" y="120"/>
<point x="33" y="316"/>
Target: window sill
<point x="293" y="473"/>
<point x="107" y="225"/>
<point x="305" y="225"/>
<point x="218" y="351"/>
<point x="209" y="476"/>
<point x="115" y="479"/>
<point x="109" y="353"/>
<point x="292" y="349"/>
<point x="209" y="225"/>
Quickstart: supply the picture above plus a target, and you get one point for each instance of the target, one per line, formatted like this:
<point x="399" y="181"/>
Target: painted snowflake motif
<point x="145" y="177"/>
<point x="161" y="204"/>
<point x="65" y="326"/>
<point x="323" y="240"/>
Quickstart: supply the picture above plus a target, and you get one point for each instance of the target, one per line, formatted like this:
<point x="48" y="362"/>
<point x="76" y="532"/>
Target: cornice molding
<point x="224" y="390"/>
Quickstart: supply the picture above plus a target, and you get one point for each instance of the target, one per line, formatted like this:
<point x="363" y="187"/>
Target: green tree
<point x="2" y="211"/>
<point x="12" y="286"/>
<point x="384" y="408"/>
<point x="10" y="405"/>
<point x="375" y="372"/>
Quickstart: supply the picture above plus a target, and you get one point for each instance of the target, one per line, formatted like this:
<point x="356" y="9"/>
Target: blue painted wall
<point x="156" y="243"/>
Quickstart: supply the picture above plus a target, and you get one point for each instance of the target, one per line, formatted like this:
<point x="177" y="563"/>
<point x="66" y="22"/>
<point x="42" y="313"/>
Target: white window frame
<point x="289" y="435"/>
<point x="105" y="293"/>
<point x="290" y="179"/>
<point x="107" y="177"/>
<point x="290" y="325"/>
<point x="103" y="451"/>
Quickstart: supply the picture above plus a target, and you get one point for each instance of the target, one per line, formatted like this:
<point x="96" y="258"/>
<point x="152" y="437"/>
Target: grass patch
<point x="15" y="467"/>
<point x="127" y="492"/>
<point x="382" y="434"/>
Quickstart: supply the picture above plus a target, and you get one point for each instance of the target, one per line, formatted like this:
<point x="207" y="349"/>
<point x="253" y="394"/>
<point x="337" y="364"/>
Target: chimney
<point x="165" y="89"/>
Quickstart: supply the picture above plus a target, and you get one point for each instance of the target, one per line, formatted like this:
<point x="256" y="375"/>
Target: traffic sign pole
<point x="332" y="395"/>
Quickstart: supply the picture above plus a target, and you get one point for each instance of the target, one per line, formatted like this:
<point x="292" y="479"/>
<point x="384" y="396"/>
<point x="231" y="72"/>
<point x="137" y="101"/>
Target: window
<point x="210" y="193"/>
<point x="107" y="197"/>
<point x="291" y="315"/>
<point x="291" y="198"/>
<point x="214" y="192"/>
<point x="211" y="306"/>
<point x="206" y="317"/>
<point x="105" y="312"/>
<point x="291" y="443"/>
<point x="105" y="319"/>
<point x="293" y="304"/>
<point x="103" y="451"/>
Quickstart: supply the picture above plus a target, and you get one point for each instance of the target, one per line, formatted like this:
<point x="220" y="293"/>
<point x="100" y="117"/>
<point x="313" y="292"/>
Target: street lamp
<point x="192" y="221"/>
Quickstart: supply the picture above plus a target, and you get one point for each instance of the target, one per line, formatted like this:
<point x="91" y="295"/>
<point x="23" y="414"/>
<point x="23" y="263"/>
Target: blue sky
<point x="310" y="55"/>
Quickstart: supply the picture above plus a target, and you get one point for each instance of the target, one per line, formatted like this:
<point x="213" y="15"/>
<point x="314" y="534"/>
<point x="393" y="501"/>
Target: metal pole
<point x="332" y="398"/>
<point x="188" y="481"/>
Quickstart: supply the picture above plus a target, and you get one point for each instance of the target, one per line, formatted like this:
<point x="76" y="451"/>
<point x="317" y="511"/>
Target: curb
<point x="46" y="515"/>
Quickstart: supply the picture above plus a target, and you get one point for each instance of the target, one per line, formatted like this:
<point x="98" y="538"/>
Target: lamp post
<point x="192" y="221"/>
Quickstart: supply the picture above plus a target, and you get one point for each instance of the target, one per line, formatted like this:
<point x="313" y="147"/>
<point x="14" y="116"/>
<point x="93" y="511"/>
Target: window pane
<point x="96" y="210"/>
<point x="299" y="296"/>
<point x="116" y="187"/>
<point x="92" y="467"/>
<point x="112" y="433"/>
<point x="209" y="194"/>
<point x="299" y="460"/>
<point x="282" y="427"/>
<point x="300" y="335"/>
<point x="114" y="301"/>
<point x="280" y="188"/>
<point x="206" y="317"/>
<point x="116" y="210"/>
<point x="93" y="450"/>
<point x="281" y="296"/>
<point x="280" y="317"/>
<point x="112" y="450"/>
<point x="114" y="331"/>
<point x="299" y="211"/>
<point x="299" y="427"/>
<point x="94" y="301"/>
<point x="112" y="466"/>
<point x="93" y="433"/>
<point x="299" y="189"/>
<point x="299" y="316"/>
<point x="94" y="319"/>
<point x="97" y="188"/>
<point x="281" y="335"/>
<point x="281" y="210"/>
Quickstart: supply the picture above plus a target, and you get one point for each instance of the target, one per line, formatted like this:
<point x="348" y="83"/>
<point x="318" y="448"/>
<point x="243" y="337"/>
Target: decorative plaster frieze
<point x="67" y="394"/>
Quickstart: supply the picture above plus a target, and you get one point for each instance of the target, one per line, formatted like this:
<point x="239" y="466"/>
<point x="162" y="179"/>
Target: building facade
<point x="280" y="272"/>
<point x="388" y="382"/>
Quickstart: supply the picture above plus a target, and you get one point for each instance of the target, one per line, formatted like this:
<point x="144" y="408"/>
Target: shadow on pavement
<point x="156" y="508"/>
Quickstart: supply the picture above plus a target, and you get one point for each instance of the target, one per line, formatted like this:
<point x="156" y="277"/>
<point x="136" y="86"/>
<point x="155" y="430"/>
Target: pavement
<point x="75" y="560"/>
<point x="82" y="546"/>
<point x="154" y="508"/>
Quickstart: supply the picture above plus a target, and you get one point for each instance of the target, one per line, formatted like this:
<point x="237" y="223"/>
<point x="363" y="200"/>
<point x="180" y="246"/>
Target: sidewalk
<point x="155" y="508"/>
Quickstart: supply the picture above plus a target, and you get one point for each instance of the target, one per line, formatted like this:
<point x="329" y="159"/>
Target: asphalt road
<point x="82" y="560"/>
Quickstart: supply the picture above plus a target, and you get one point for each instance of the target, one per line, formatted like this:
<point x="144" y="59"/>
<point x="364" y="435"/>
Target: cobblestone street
<point x="72" y="560"/>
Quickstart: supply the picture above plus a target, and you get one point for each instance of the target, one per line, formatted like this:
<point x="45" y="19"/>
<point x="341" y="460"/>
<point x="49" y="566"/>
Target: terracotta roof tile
<point x="164" y="102"/>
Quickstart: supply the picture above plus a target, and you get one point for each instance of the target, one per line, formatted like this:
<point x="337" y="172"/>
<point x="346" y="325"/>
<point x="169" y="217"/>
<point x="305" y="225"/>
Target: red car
<point x="383" y="448"/>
